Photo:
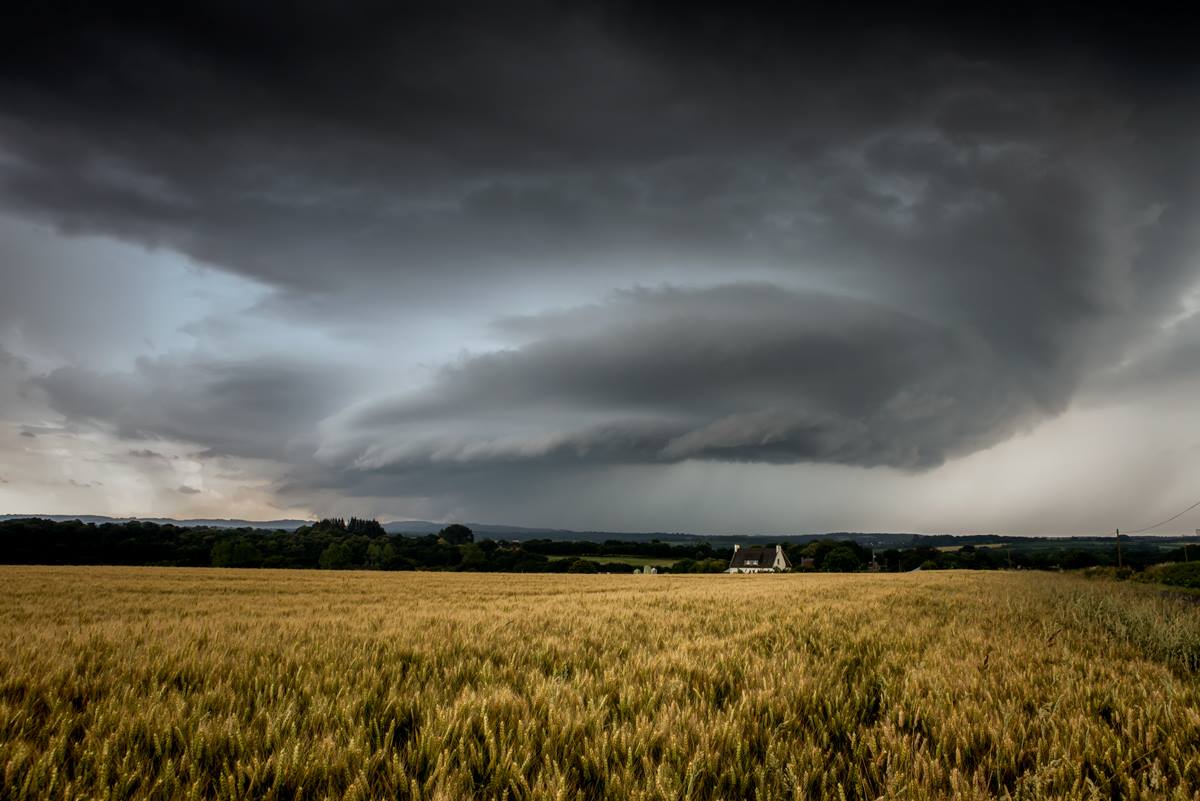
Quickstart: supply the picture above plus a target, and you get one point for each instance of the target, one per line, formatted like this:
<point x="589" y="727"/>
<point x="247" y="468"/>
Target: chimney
<point x="736" y="546"/>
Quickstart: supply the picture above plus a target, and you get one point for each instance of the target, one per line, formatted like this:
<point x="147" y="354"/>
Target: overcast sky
<point x="593" y="267"/>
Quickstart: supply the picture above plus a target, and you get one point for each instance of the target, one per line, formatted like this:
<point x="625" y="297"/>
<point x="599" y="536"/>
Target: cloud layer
<point x="429" y="261"/>
<point x="739" y="373"/>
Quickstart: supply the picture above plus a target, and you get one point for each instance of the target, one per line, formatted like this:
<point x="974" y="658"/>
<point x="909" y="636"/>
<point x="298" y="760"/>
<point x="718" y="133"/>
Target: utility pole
<point x="1118" y="549"/>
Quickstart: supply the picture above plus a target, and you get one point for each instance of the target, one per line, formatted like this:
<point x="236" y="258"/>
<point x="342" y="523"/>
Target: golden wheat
<point x="135" y="683"/>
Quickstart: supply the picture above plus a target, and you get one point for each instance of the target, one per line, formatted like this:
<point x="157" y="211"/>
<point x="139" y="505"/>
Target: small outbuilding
<point x="759" y="559"/>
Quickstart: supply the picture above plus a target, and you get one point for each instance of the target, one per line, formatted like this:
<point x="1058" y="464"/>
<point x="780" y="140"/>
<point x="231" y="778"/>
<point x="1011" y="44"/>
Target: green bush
<point x="1176" y="575"/>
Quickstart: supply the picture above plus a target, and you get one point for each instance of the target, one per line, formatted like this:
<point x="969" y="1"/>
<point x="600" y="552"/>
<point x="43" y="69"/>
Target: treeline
<point x="1034" y="556"/>
<point x="340" y="544"/>
<point x="847" y="556"/>
<point x="334" y="543"/>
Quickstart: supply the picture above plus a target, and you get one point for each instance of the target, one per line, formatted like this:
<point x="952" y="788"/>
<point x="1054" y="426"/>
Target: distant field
<point x="141" y="683"/>
<point x="636" y="561"/>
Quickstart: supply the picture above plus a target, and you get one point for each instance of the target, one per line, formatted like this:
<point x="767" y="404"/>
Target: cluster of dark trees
<point x="333" y="543"/>
<point x="336" y="544"/>
<point x="847" y="556"/>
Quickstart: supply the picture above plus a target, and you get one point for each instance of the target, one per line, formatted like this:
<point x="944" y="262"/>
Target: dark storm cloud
<point x="316" y="146"/>
<point x="1170" y="359"/>
<point x="19" y="398"/>
<point x="146" y="453"/>
<point x="33" y="432"/>
<point x="267" y="143"/>
<point x="743" y="373"/>
<point x="259" y="409"/>
<point x="953" y="220"/>
<point x="184" y="489"/>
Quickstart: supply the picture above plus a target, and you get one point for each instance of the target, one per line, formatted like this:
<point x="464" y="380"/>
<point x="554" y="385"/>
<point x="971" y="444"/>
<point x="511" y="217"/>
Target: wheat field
<point x="144" y="683"/>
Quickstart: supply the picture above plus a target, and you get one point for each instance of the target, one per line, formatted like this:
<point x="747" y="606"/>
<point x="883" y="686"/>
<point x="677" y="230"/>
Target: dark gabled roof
<point x="756" y="556"/>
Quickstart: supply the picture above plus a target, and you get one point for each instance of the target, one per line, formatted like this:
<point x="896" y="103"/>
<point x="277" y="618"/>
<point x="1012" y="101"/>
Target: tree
<point x="368" y="528"/>
<point x="890" y="559"/>
<point x="919" y="557"/>
<point x="336" y="556"/>
<point x="235" y="553"/>
<point x="841" y="559"/>
<point x="473" y="557"/>
<point x="457" y="534"/>
<point x="817" y="551"/>
<point x="381" y="555"/>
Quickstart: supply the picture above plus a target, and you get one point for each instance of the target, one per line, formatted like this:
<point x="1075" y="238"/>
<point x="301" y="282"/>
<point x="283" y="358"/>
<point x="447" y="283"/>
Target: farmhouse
<point x="758" y="559"/>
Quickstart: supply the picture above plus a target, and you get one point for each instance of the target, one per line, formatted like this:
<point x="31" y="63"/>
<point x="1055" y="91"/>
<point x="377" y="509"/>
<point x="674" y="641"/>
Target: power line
<point x="1164" y="522"/>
